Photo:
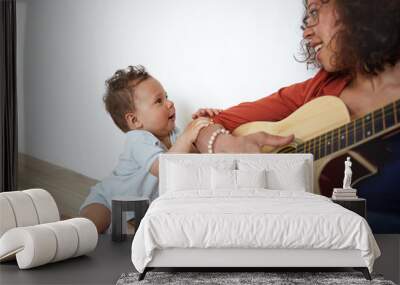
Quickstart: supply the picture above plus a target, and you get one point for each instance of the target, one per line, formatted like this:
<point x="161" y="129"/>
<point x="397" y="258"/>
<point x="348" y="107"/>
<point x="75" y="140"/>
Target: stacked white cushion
<point x="87" y="235"/>
<point x="26" y="208"/>
<point x="23" y="208"/>
<point x="7" y="218"/>
<point x="41" y="244"/>
<point x="45" y="206"/>
<point x="32" y="246"/>
<point x="66" y="237"/>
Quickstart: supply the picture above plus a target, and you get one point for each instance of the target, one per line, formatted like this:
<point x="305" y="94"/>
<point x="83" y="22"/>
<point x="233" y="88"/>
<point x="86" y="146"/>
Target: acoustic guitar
<point x="323" y="127"/>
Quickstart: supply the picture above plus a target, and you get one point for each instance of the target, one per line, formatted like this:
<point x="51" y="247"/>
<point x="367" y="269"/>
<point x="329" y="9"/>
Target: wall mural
<point x="323" y="127"/>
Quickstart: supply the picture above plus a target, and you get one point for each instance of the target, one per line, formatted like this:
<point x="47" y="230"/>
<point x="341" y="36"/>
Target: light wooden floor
<point x="68" y="188"/>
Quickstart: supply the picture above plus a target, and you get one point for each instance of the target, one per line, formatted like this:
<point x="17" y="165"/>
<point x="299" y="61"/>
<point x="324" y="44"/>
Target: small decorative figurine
<point x="347" y="174"/>
<point x="345" y="193"/>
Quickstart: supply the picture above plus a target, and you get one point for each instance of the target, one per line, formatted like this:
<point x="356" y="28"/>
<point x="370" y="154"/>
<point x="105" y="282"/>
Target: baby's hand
<point x="193" y="128"/>
<point x="206" y="112"/>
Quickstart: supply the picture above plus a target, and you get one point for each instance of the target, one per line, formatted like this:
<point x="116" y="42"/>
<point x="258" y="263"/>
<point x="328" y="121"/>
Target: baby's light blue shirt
<point x="131" y="176"/>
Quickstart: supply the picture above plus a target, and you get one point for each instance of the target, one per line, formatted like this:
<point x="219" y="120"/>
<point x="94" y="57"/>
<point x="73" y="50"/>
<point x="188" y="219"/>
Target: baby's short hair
<point x="120" y="89"/>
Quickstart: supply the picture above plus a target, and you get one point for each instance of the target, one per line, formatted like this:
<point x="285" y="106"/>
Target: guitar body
<point x="310" y="120"/>
<point x="313" y="119"/>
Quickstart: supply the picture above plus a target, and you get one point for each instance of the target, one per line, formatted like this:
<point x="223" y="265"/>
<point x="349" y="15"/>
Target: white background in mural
<point x="205" y="53"/>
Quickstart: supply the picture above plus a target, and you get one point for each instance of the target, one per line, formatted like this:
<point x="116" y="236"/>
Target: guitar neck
<point x="359" y="131"/>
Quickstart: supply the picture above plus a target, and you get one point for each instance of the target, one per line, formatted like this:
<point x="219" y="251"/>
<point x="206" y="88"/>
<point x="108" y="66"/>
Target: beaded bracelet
<point x="213" y="137"/>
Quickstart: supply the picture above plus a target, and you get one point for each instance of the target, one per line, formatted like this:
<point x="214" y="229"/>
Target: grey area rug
<point x="231" y="278"/>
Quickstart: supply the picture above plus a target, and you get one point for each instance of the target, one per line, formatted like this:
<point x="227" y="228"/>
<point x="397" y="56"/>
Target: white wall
<point x="205" y="53"/>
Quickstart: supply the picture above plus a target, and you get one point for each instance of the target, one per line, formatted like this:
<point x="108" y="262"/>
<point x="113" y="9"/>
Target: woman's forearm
<point x="222" y="143"/>
<point x="203" y="137"/>
<point x="238" y="144"/>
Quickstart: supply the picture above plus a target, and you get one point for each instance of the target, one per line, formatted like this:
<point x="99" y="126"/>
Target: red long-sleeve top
<point x="281" y="104"/>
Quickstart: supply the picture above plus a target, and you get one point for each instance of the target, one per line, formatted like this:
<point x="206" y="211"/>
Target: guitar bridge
<point x="289" y="148"/>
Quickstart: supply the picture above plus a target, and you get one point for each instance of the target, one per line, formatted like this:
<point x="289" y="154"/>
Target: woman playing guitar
<point x="356" y="45"/>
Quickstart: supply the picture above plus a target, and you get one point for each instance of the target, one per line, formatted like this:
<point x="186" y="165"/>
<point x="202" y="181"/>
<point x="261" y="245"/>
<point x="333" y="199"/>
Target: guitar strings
<point x="315" y="142"/>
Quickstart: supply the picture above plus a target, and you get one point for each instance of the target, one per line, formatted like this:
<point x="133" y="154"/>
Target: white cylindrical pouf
<point x="34" y="246"/>
<point x="23" y="208"/>
<point x="87" y="234"/>
<point x="67" y="239"/>
<point x="7" y="218"/>
<point x="45" y="205"/>
<point x="40" y="244"/>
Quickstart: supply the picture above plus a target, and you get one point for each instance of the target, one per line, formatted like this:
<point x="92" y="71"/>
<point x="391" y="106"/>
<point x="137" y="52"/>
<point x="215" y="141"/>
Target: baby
<point x="139" y="106"/>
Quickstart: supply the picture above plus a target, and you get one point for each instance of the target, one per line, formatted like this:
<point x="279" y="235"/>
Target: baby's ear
<point x="132" y="121"/>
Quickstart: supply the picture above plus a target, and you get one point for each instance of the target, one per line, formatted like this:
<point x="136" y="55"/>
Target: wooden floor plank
<point x="68" y="187"/>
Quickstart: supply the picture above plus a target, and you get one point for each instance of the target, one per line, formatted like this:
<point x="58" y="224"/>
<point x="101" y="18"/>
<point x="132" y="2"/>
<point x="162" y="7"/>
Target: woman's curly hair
<point x="369" y="39"/>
